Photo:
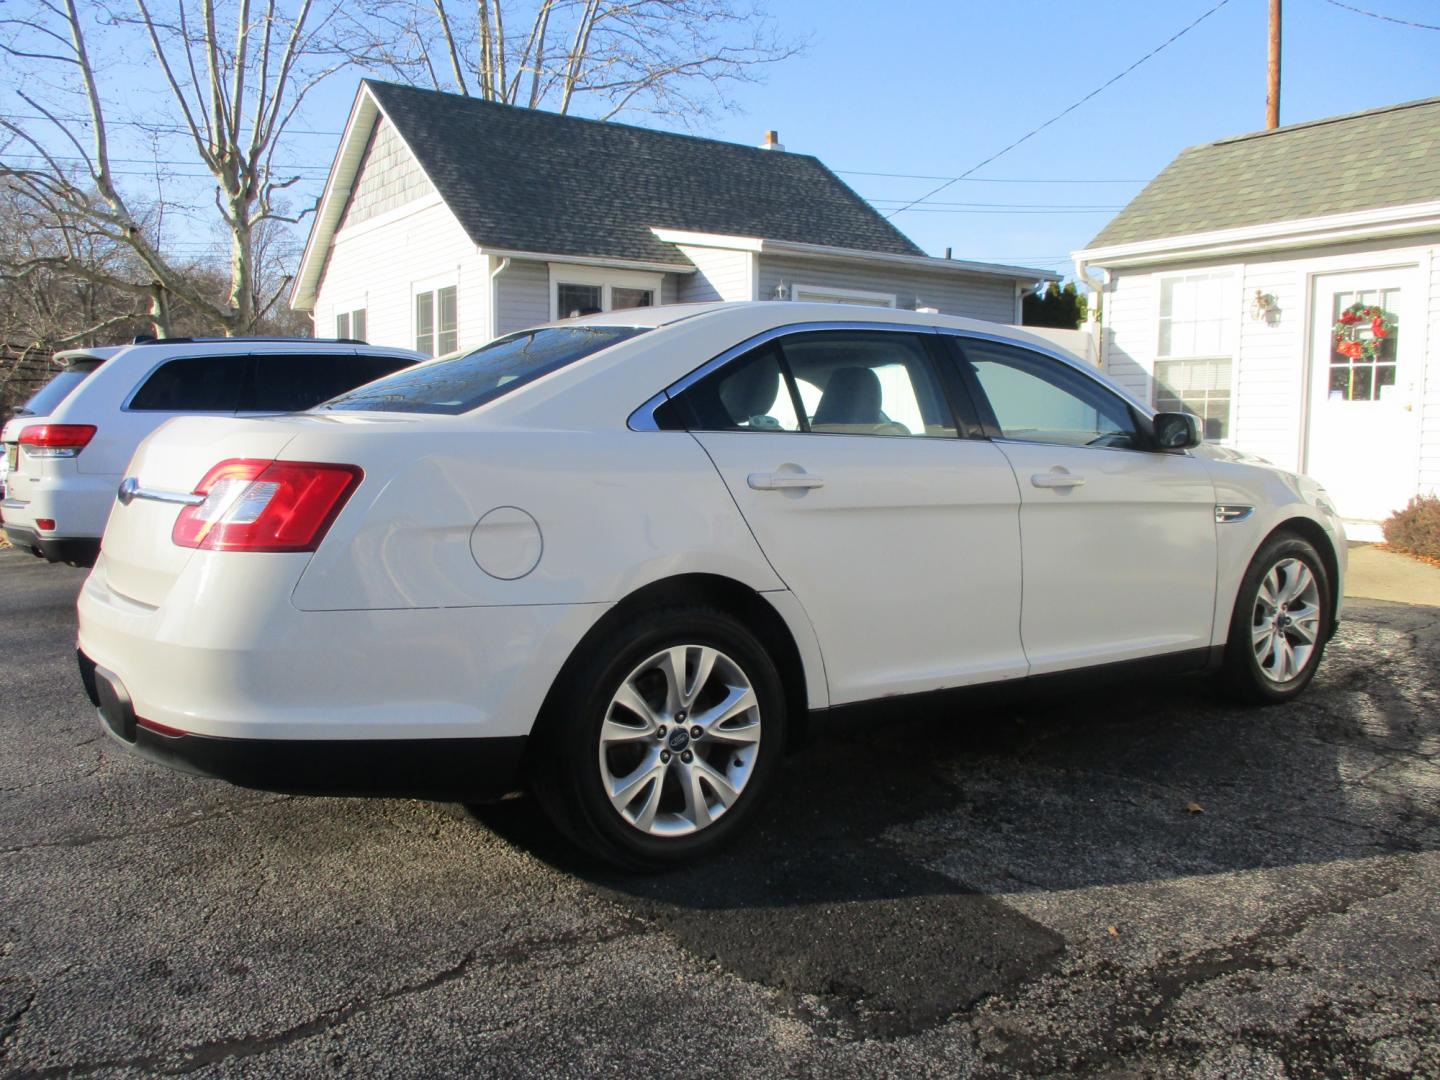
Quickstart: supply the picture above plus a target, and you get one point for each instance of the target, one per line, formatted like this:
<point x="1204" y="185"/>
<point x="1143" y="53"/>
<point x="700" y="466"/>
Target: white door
<point x="1119" y="540"/>
<point x="1362" y="424"/>
<point x="899" y="538"/>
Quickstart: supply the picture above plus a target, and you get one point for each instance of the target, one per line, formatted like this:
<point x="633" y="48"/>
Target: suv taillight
<point x="255" y="505"/>
<point x="56" y="440"/>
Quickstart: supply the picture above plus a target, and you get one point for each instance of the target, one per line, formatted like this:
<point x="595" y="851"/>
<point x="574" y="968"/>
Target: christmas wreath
<point x="1353" y="320"/>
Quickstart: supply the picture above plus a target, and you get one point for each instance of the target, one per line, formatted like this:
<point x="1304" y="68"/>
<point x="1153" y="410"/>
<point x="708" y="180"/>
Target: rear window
<point x="292" y="383"/>
<point x="48" y="398"/>
<point x="194" y="384"/>
<point x="457" y="384"/>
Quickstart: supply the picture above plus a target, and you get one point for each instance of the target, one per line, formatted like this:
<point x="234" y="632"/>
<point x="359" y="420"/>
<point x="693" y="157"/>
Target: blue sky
<point x="934" y="88"/>
<point x="931" y="87"/>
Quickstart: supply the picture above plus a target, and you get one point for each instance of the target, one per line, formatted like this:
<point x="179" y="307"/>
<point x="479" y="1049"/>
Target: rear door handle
<point x="1056" y="480"/>
<point x="764" y="481"/>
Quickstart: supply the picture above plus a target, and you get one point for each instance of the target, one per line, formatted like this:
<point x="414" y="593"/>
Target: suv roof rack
<point x="220" y="340"/>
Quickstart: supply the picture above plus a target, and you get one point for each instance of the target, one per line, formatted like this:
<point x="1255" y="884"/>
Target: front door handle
<point x="1062" y="480"/>
<point x="783" y="481"/>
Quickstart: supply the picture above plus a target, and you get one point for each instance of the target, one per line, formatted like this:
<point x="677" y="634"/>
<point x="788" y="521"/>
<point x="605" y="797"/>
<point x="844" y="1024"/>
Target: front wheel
<point x="661" y="741"/>
<point x="1281" y="622"/>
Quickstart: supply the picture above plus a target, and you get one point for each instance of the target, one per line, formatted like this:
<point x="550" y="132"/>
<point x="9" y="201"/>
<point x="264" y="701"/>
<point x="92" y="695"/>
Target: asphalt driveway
<point x="1138" y="882"/>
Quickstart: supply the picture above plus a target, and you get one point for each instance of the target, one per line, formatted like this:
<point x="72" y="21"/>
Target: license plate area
<point x="12" y="457"/>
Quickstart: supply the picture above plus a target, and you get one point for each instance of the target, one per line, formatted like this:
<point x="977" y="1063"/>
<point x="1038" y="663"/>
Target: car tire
<point x="1280" y="624"/>
<point x="619" y="766"/>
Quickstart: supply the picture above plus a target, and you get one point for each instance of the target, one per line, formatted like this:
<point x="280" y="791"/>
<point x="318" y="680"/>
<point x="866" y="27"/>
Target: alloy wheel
<point x="1285" y="624"/>
<point x="679" y="741"/>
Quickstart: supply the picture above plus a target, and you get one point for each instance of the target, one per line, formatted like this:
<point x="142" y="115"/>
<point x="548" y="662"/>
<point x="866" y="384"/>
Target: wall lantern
<point x="1265" y="308"/>
<point x="781" y="291"/>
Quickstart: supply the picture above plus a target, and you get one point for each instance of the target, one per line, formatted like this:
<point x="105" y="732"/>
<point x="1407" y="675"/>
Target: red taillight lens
<point x="265" y="505"/>
<point x="56" y="440"/>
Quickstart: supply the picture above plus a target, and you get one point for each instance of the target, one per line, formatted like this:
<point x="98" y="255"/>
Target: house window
<point x="820" y="294"/>
<point x="583" y="290"/>
<point x="351" y="324"/>
<point x="1195" y="357"/>
<point x="437" y="325"/>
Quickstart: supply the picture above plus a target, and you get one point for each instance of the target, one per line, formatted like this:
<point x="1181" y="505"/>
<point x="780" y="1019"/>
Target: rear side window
<point x="457" y="384"/>
<point x="292" y="383"/>
<point x="48" y="398"/>
<point x="194" y="384"/>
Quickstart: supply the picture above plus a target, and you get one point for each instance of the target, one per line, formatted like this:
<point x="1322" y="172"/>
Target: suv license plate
<point x="12" y="457"/>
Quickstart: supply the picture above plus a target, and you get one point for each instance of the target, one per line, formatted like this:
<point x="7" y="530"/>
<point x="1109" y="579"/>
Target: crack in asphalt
<point x="190" y="1059"/>
<point x="1148" y="1003"/>
<point x="77" y="840"/>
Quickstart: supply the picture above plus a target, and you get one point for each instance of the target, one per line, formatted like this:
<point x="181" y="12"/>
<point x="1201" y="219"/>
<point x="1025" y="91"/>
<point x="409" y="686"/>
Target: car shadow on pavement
<point x="871" y="890"/>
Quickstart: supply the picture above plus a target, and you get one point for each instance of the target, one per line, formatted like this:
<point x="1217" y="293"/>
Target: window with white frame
<point x="584" y="290"/>
<point x="350" y="324"/>
<point x="437" y="321"/>
<point x="821" y="294"/>
<point x="1195" y="355"/>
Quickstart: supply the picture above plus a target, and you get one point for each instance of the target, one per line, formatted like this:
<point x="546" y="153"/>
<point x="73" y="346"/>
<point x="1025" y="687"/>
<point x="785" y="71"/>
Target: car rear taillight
<point x="255" y="505"/>
<point x="56" y="440"/>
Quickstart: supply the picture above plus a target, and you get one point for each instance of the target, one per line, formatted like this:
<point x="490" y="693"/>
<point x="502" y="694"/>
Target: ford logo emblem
<point x="128" y="487"/>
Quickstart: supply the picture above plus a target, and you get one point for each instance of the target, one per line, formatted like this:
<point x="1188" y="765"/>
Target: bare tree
<point x="233" y="72"/>
<point x="672" y="58"/>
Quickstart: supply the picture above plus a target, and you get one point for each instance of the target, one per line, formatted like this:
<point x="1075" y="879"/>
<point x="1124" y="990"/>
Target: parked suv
<point x="66" y="449"/>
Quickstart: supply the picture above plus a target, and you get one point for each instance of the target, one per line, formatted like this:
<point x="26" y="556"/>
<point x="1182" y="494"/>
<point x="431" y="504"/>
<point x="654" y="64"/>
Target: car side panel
<point x="616" y="510"/>
<point x="1277" y="497"/>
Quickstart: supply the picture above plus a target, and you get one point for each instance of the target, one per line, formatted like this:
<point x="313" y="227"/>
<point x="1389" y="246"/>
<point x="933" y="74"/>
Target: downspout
<point x="495" y="297"/>
<point x="1097" y="286"/>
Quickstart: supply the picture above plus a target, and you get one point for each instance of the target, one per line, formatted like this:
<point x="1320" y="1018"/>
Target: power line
<point x="982" y="179"/>
<point x="161" y="161"/>
<point x="1384" y="18"/>
<point x="1064" y="112"/>
<point x="1006" y="206"/>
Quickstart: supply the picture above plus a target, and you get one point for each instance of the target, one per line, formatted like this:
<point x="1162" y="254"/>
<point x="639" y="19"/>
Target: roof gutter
<point x="795" y="249"/>
<point x="1271" y="236"/>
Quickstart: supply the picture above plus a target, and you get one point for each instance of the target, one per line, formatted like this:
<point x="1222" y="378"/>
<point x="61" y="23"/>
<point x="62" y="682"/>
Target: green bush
<point x="1416" y="529"/>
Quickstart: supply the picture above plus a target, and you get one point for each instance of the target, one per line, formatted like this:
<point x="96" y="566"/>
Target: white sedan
<point x="617" y="559"/>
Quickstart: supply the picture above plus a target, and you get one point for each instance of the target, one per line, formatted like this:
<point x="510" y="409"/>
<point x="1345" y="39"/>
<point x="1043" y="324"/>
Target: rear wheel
<point x="661" y="741"/>
<point x="1281" y="622"/>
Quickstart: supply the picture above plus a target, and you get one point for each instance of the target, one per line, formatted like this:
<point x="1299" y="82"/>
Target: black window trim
<point x="1142" y="418"/>
<point x="953" y="400"/>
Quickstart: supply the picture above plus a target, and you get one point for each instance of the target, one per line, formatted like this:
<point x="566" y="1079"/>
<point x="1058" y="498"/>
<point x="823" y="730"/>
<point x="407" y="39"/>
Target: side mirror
<point x="1176" y="430"/>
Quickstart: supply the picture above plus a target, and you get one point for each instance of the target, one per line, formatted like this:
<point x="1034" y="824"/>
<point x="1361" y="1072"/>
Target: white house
<point x="1248" y="283"/>
<point x="448" y="220"/>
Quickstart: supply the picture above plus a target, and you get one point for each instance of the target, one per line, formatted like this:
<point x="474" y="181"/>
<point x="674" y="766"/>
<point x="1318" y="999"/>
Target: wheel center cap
<point x="678" y="739"/>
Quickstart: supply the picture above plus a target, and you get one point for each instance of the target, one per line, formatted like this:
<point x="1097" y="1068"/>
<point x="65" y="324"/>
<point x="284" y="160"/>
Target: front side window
<point x="194" y="384"/>
<point x="457" y="384"/>
<point x="829" y="382"/>
<point x="437" y="321"/>
<point x="1032" y="398"/>
<point x="1196" y="348"/>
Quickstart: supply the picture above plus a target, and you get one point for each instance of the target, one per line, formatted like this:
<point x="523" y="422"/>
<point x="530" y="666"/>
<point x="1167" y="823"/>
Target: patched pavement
<point x="1134" y="881"/>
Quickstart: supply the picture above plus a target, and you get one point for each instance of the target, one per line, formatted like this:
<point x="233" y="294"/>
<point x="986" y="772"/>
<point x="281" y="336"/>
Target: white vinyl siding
<point x="1430" y="400"/>
<point x="1270" y="372"/>
<point x="719" y="275"/>
<point x="949" y="292"/>
<point x="374" y="266"/>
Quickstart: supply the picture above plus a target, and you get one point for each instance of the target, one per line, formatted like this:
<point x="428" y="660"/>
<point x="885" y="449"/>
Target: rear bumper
<point x="75" y="550"/>
<point x="446" y="770"/>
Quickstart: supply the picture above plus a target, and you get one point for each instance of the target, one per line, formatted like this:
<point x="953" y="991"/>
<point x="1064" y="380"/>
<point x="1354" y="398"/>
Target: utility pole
<point x="1272" y="93"/>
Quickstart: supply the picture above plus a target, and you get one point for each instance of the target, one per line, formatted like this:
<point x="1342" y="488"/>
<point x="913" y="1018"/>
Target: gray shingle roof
<point x="1362" y="161"/>
<point x="526" y="180"/>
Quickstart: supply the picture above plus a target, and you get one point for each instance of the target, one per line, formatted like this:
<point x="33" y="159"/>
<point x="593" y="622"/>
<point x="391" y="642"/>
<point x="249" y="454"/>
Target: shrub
<point x="1416" y="529"/>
